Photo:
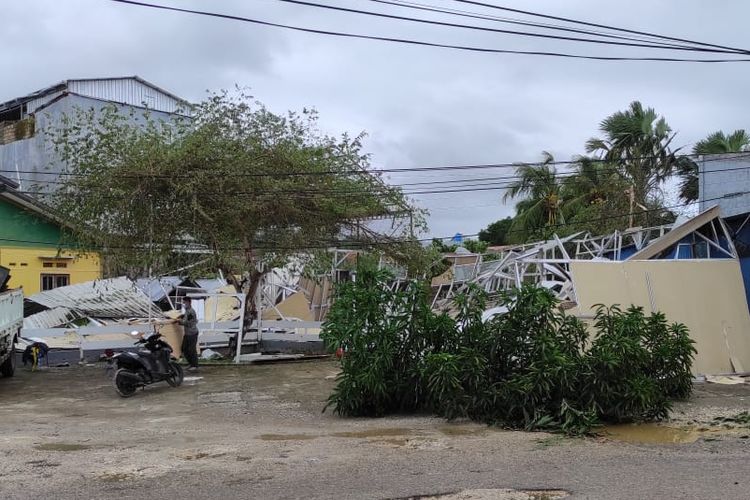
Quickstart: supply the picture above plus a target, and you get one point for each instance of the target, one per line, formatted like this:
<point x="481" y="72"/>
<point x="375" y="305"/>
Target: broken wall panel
<point x="295" y="306"/>
<point x="706" y="295"/>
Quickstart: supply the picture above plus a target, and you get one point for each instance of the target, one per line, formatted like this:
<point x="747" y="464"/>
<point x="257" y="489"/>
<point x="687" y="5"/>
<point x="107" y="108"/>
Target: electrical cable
<point x="516" y="21"/>
<point x="420" y="240"/>
<point x="425" y="43"/>
<point x="495" y="30"/>
<point x="313" y="194"/>
<point x="596" y="25"/>
<point x="443" y="168"/>
<point x="468" y="184"/>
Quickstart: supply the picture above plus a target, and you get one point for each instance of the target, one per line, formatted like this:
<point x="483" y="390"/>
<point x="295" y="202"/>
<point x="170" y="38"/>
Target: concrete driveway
<point x="258" y="432"/>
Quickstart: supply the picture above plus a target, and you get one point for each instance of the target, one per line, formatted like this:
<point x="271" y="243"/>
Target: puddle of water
<point x="462" y="430"/>
<point x="286" y="437"/>
<point x="374" y="433"/>
<point x="650" y="434"/>
<point x="62" y="447"/>
<point x="396" y="442"/>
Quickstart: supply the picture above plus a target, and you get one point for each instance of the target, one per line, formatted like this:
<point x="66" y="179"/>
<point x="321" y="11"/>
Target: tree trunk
<point x="250" y="289"/>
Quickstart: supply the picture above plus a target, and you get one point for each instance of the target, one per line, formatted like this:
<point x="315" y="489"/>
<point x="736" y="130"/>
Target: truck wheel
<point x="8" y="368"/>
<point x="124" y="383"/>
<point x="177" y="375"/>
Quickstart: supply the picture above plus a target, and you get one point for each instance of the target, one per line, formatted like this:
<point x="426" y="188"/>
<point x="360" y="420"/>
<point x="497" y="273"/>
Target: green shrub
<point x="533" y="367"/>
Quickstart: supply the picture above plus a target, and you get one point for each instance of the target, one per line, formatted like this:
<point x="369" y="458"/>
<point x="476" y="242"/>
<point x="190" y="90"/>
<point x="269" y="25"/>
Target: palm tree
<point x="637" y="142"/>
<point x="716" y="143"/>
<point x="542" y="204"/>
<point x="591" y="182"/>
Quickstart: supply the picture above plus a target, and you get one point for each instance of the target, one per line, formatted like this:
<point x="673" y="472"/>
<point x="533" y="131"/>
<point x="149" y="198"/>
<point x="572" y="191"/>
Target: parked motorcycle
<point x="150" y="364"/>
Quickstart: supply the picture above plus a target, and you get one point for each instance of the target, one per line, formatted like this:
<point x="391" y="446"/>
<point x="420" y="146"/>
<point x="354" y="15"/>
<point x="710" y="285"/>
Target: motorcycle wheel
<point x="124" y="383"/>
<point x="177" y="375"/>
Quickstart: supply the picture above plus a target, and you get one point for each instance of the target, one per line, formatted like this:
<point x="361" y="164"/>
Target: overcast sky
<point x="420" y="106"/>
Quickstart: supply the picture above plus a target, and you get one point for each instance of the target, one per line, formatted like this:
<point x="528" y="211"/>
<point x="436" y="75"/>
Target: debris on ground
<point x="209" y="354"/>
<point x="724" y="379"/>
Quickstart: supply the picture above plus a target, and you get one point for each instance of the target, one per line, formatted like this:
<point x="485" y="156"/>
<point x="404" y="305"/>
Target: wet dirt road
<point x="258" y="432"/>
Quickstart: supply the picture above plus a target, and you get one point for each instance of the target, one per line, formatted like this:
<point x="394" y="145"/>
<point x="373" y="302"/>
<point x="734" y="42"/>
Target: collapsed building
<point x="690" y="271"/>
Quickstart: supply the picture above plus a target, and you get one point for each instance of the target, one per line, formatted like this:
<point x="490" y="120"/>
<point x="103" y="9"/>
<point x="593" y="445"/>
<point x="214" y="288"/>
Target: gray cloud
<point x="420" y="106"/>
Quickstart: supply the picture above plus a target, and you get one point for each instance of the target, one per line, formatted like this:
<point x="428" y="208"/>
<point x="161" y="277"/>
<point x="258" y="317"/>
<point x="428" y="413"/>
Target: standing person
<point x="189" y="321"/>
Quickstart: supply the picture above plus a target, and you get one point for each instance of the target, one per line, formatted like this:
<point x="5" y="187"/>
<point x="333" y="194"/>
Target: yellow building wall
<point x="707" y="295"/>
<point x="27" y="266"/>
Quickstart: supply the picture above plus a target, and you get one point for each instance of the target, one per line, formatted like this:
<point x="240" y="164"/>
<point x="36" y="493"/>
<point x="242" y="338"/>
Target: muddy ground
<point x="258" y="432"/>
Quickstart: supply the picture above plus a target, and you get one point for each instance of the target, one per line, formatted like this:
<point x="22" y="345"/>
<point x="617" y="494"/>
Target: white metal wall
<point x="127" y="91"/>
<point x="35" y="104"/>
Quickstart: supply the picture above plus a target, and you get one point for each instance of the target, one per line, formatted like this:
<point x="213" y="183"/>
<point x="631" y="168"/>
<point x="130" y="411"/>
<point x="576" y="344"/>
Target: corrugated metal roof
<point x="131" y="90"/>
<point x="50" y="318"/>
<point x="210" y="284"/>
<point x="33" y="96"/>
<point x="158" y="288"/>
<point x="108" y="298"/>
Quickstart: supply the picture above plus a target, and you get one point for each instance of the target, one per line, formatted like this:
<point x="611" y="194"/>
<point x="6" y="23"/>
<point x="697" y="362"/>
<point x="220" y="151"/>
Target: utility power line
<point x="344" y="193"/>
<point x="502" y="31"/>
<point x="393" y="241"/>
<point x="376" y="171"/>
<point x="422" y="43"/>
<point x="596" y="25"/>
<point x="515" y="21"/>
<point x="447" y="186"/>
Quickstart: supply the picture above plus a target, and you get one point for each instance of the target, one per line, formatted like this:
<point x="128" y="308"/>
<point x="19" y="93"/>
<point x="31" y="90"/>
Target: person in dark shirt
<point x="189" y="321"/>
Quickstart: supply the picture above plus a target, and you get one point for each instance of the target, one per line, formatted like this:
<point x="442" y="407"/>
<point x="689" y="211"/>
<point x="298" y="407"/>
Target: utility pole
<point x="631" y="193"/>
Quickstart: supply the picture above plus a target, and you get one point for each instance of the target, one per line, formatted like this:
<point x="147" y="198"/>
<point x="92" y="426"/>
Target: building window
<point x="51" y="281"/>
<point x="61" y="264"/>
<point x="47" y="264"/>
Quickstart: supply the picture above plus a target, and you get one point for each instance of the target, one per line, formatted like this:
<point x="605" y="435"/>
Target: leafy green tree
<point x="592" y="194"/>
<point x="637" y="142"/>
<point x="497" y="232"/>
<point x="234" y="186"/>
<point x="442" y="247"/>
<point x="540" y="210"/>
<point x="533" y="367"/>
<point x="475" y="246"/>
<point x="591" y="182"/>
<point x="715" y="143"/>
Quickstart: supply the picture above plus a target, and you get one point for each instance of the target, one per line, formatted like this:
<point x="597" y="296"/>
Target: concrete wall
<point x="722" y="179"/>
<point x="33" y="162"/>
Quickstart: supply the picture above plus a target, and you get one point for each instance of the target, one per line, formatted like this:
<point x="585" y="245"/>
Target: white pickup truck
<point x="11" y="321"/>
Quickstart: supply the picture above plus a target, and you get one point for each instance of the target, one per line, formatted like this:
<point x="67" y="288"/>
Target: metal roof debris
<point x="210" y="284"/>
<point x="107" y="298"/>
<point x="51" y="318"/>
<point x="710" y="217"/>
<point x="158" y="288"/>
